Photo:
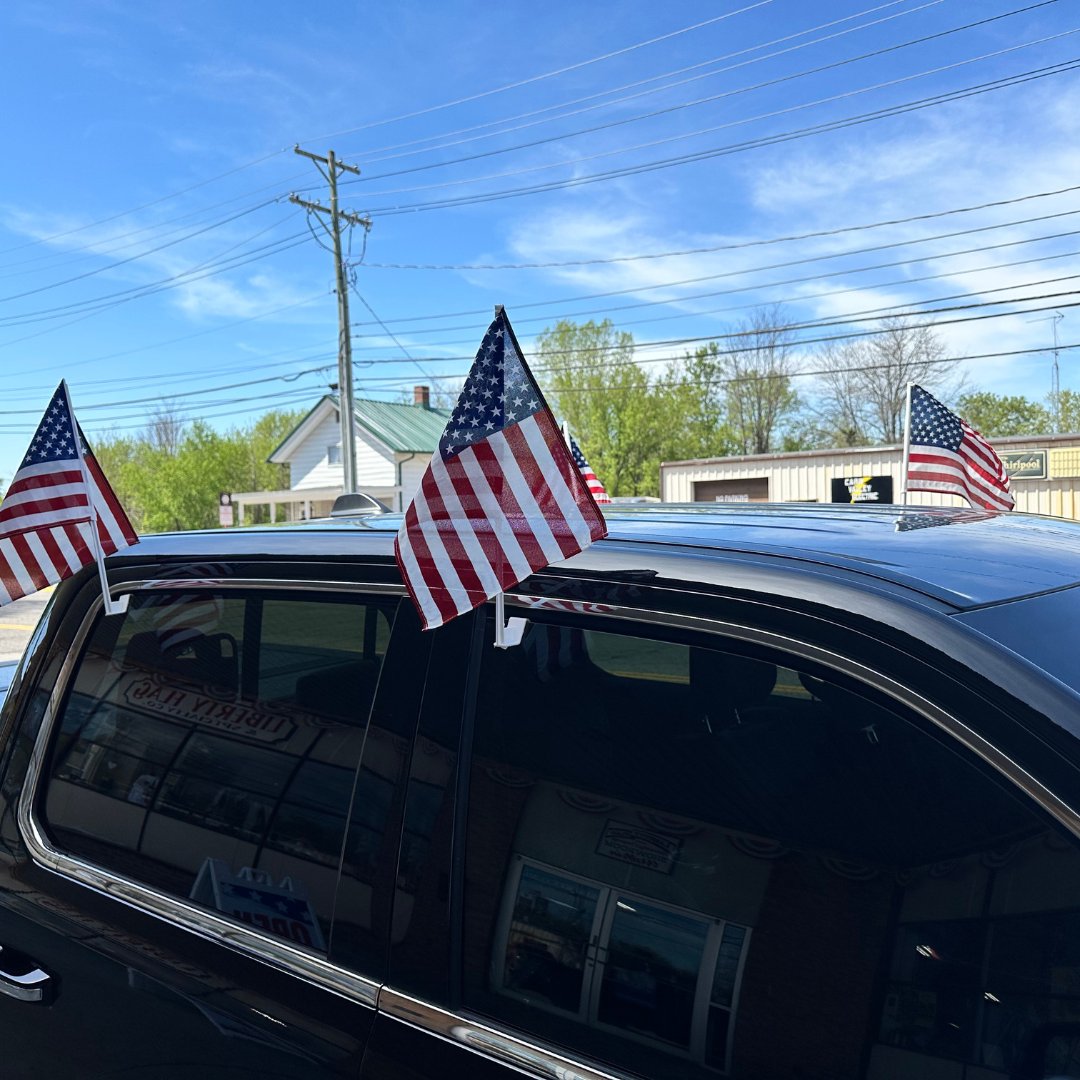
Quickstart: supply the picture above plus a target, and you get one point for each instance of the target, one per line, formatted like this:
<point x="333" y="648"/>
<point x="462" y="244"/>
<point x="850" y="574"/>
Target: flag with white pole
<point x="59" y="513"/>
<point x="943" y="453"/>
<point x="501" y="497"/>
<point x="599" y="492"/>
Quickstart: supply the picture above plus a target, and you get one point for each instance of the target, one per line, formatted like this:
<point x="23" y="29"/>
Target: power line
<point x="110" y="300"/>
<point x="656" y="78"/>
<point x="811" y="324"/>
<point x="539" y="78"/>
<point x="720" y="151"/>
<point x="779" y="80"/>
<point x="817" y="234"/>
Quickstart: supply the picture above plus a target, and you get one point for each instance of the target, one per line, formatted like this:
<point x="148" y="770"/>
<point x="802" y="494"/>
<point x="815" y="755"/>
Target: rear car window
<point x="705" y="863"/>
<point x="208" y="748"/>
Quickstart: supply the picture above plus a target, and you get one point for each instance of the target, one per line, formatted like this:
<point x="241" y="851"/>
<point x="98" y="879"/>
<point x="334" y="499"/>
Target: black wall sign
<point x="862" y="489"/>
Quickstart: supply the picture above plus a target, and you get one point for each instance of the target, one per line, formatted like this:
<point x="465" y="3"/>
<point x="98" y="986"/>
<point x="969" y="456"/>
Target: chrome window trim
<point x="481" y="1038"/>
<point x="164" y="906"/>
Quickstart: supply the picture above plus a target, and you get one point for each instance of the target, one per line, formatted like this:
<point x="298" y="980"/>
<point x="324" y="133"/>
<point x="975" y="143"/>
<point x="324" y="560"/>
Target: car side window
<point x="208" y="747"/>
<point x="683" y="861"/>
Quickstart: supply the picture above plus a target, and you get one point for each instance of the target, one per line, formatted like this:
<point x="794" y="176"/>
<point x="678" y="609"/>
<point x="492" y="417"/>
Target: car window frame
<point x="598" y="605"/>
<point x="168" y="907"/>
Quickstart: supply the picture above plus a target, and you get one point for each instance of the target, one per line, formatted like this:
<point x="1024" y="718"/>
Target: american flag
<point x="48" y="512"/>
<point x="948" y="455"/>
<point x="599" y="492"/>
<point x="501" y="497"/>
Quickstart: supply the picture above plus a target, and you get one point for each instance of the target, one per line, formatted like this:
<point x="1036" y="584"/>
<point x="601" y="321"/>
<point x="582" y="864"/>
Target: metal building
<point x="1044" y="474"/>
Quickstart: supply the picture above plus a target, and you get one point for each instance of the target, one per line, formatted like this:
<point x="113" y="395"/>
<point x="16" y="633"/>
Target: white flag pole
<point x="907" y="445"/>
<point x="507" y="634"/>
<point x="112" y="607"/>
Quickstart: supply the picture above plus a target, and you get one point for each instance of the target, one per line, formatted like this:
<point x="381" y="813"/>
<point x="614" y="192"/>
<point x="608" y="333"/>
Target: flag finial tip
<point x="499" y="309"/>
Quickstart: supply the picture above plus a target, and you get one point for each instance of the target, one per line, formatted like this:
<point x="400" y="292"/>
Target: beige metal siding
<point x="807" y="477"/>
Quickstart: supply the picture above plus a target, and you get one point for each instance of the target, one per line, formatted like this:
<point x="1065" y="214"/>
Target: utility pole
<point x="345" y="377"/>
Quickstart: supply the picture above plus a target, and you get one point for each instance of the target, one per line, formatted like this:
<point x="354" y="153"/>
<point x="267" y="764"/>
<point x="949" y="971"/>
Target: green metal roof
<point x="403" y="428"/>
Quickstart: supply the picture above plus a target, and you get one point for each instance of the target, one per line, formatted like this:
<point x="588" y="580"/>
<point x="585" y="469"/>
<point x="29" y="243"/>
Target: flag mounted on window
<point x="599" y="492"/>
<point x="944" y="453"/>
<point x="501" y="497"/>
<point x="59" y="512"/>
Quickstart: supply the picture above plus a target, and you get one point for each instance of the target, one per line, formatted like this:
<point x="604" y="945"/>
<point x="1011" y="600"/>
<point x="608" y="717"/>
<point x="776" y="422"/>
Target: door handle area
<point x="19" y="983"/>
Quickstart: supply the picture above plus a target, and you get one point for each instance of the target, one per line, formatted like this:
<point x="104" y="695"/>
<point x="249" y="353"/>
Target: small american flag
<point x="48" y="512"/>
<point x="501" y="497"/>
<point x="598" y="491"/>
<point x="948" y="455"/>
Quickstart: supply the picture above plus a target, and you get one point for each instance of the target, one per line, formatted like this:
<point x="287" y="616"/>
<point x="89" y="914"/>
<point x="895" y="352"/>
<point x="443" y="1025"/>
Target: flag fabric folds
<point x="946" y="454"/>
<point x="501" y="497"/>
<point x="598" y="491"/>
<point x="55" y="498"/>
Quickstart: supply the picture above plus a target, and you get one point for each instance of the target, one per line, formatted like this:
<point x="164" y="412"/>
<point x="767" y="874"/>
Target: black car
<point x="764" y="792"/>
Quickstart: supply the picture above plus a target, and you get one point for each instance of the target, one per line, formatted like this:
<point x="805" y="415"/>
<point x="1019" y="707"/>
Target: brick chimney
<point x="422" y="396"/>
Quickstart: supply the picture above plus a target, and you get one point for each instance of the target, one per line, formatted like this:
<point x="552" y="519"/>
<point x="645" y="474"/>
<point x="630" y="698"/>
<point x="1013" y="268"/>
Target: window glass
<point x="209" y="747"/>
<point x="684" y="862"/>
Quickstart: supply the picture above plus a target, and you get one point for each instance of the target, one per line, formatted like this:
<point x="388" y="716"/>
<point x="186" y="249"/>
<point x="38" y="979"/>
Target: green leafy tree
<point x="1003" y="414"/>
<point x="1068" y="410"/>
<point x="168" y="478"/>
<point x="693" y="393"/>
<point x="588" y="374"/>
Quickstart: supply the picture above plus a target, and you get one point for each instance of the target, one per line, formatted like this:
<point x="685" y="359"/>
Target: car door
<point x="178" y="786"/>
<point x="745" y="844"/>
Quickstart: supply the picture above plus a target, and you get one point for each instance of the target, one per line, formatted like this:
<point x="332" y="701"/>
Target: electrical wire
<point x="667" y="110"/>
<point x="720" y="151"/>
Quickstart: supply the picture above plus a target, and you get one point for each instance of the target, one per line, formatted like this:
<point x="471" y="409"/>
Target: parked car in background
<point x="764" y="792"/>
<point x="7" y="673"/>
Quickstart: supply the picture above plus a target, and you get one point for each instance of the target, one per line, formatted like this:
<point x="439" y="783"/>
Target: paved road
<point x="17" y="622"/>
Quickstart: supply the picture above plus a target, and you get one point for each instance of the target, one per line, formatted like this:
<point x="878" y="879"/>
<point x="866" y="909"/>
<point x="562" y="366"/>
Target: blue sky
<point x="149" y="253"/>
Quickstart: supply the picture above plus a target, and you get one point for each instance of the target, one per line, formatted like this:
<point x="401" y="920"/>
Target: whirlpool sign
<point x="1024" y="464"/>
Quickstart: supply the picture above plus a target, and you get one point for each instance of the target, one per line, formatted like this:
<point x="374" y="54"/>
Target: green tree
<point x="587" y="372"/>
<point x="1003" y="414"/>
<point x="693" y="393"/>
<point x="169" y="479"/>
<point x="1068" y="410"/>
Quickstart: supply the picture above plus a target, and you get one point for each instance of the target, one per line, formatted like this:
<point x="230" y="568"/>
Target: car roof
<point x="964" y="558"/>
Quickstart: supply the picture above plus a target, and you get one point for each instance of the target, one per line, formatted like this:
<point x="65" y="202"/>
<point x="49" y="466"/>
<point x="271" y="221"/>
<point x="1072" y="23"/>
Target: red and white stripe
<point x="45" y="525"/>
<point x="596" y="489"/>
<point x="490" y="516"/>
<point x="974" y="472"/>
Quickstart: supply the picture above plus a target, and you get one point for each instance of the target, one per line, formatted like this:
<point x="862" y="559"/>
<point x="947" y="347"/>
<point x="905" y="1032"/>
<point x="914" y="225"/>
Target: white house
<point x="394" y="443"/>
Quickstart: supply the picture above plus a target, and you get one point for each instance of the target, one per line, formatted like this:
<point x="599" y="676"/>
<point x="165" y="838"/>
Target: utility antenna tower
<point x="332" y="169"/>
<point x="1055" y="379"/>
<point x="1055" y="373"/>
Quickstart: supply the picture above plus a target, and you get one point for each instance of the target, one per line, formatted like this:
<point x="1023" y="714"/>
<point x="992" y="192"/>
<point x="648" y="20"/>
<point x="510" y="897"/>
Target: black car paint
<point x="133" y="995"/>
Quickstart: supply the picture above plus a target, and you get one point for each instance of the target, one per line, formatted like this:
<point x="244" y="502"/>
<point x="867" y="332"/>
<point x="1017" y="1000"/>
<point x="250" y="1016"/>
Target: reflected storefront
<point x="212" y="752"/>
<point x="811" y="886"/>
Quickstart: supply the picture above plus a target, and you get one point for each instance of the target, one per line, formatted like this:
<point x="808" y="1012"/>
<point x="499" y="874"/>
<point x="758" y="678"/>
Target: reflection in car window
<point x="204" y="751"/>
<point x="684" y="862"/>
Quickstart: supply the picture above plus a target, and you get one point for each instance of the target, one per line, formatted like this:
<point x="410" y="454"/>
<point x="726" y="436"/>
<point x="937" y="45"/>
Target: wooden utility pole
<point x="345" y="378"/>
